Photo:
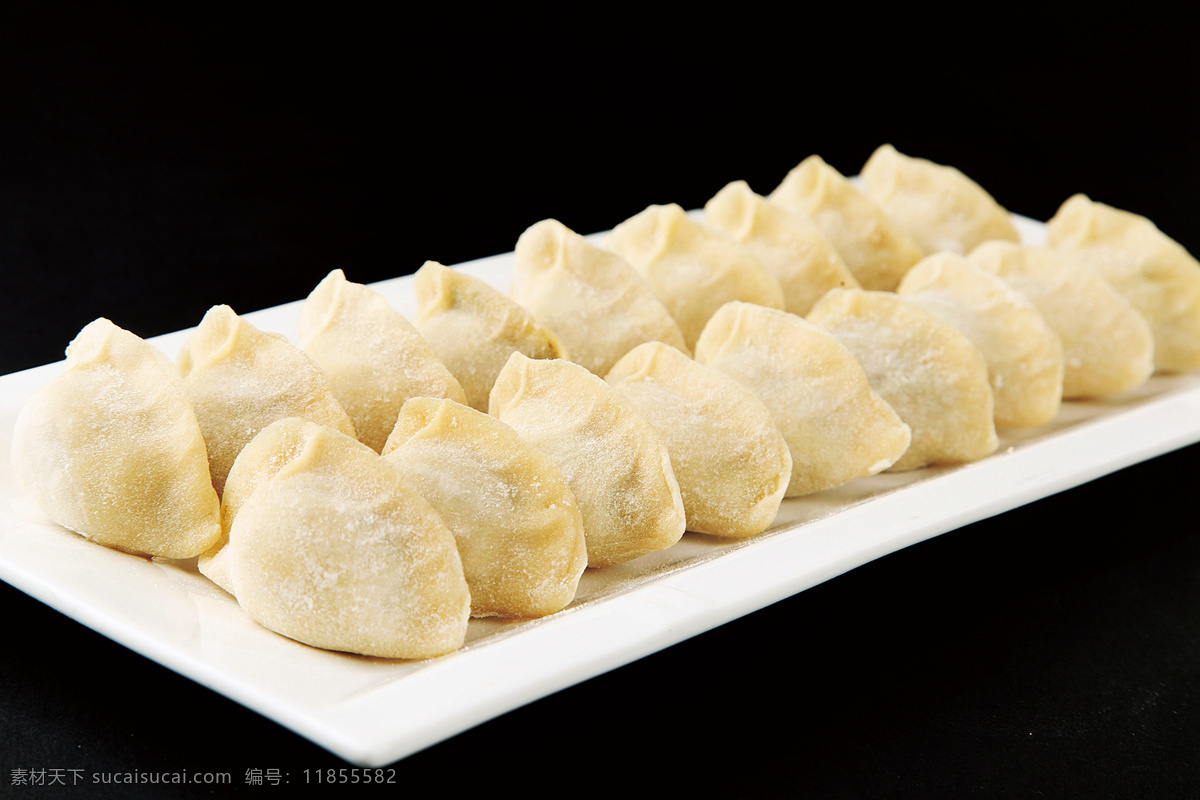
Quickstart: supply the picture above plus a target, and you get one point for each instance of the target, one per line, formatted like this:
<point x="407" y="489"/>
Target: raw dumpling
<point x="474" y="328"/>
<point x="616" y="464"/>
<point x="693" y="269"/>
<point x="1153" y="272"/>
<point x="732" y="463"/>
<point x="1023" y="353"/>
<point x="349" y="558"/>
<point x="591" y="298"/>
<point x="836" y="426"/>
<point x="274" y="447"/>
<point x="111" y="449"/>
<point x="930" y="373"/>
<point x="874" y="247"/>
<point x="241" y="379"/>
<point x="1107" y="345"/>
<point x="939" y="206"/>
<point x="519" y="530"/>
<point x="792" y="248"/>
<point x="373" y="356"/>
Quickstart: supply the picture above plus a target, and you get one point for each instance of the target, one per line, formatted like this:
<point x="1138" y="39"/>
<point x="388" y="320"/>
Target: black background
<point x="153" y="165"/>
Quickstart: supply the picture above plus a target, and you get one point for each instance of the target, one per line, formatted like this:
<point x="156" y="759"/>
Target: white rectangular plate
<point x="372" y="712"/>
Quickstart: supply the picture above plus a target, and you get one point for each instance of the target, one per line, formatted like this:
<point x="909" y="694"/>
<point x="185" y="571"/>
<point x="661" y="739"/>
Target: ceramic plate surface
<point x="372" y="712"/>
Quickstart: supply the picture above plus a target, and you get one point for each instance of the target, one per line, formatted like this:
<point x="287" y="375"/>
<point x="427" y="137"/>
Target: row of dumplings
<point x="374" y="486"/>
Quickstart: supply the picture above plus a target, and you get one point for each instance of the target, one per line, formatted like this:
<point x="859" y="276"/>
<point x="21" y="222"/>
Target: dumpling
<point x="1153" y="272"/>
<point x="336" y="550"/>
<point x="836" y="426"/>
<point x="1023" y="353"/>
<point x="111" y="449"/>
<point x="616" y="464"/>
<point x="876" y="249"/>
<point x="474" y="328"/>
<point x="939" y="206"/>
<point x="273" y="448"/>
<point x="591" y="298"/>
<point x="373" y="356"/>
<point x="518" y="528"/>
<point x="925" y="369"/>
<point x="691" y="268"/>
<point x="241" y="379"/>
<point x="1107" y="345"/>
<point x="732" y="463"/>
<point x="793" y="249"/>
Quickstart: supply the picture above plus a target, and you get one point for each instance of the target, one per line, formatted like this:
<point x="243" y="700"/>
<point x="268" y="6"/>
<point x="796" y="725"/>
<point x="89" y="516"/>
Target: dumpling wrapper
<point x="593" y="299"/>
<point x="875" y="248"/>
<point x="111" y="449"/>
<point x="732" y="463"/>
<point x="350" y="559"/>
<point x="1151" y="270"/>
<point x="792" y="248"/>
<point x="939" y="206"/>
<point x="274" y="447"/>
<point x="615" y="462"/>
<point x="1108" y="347"/>
<point x="1023" y="353"/>
<point x="836" y="426"/>
<point x="925" y="369"/>
<point x="518" y="528"/>
<point x="374" y="358"/>
<point x="241" y="379"/>
<point x="474" y="328"/>
<point x="691" y="268"/>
